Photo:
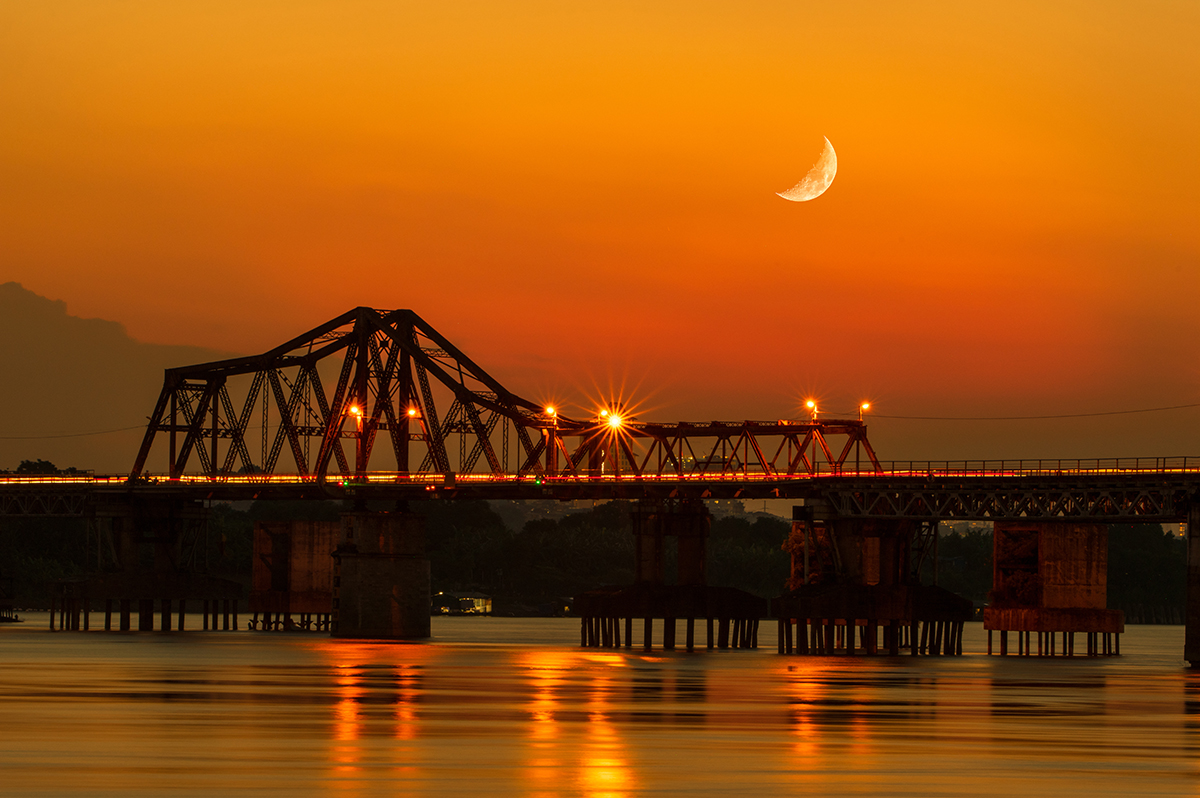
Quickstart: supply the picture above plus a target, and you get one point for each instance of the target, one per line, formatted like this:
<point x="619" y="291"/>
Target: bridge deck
<point x="1116" y="490"/>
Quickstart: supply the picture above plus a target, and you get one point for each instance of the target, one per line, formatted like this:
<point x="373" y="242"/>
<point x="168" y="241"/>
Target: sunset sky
<point x="583" y="196"/>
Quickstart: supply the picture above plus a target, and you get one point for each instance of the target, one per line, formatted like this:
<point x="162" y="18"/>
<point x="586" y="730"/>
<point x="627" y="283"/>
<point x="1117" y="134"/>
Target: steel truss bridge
<point x="377" y="405"/>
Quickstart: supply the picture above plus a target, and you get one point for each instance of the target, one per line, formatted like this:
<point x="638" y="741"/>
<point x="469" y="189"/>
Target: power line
<point x="67" y="434"/>
<point x="1036" y="418"/>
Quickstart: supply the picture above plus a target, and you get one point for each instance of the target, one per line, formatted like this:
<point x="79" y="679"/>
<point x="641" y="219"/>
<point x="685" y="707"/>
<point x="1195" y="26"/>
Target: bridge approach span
<point x="1110" y="490"/>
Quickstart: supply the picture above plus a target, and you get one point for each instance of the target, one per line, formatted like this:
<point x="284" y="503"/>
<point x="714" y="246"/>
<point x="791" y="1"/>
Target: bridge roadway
<point x="1108" y="490"/>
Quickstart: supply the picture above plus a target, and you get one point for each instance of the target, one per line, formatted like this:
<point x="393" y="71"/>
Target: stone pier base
<point x="381" y="577"/>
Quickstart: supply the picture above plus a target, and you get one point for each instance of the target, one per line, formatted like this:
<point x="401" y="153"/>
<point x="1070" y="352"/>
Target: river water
<point x="513" y="707"/>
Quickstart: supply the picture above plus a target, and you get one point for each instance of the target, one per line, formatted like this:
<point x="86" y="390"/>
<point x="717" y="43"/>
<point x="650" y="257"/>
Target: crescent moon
<point x="817" y="180"/>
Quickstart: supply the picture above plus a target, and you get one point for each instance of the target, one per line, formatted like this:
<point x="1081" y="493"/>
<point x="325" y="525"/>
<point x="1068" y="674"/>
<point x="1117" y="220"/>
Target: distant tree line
<point x="44" y="467"/>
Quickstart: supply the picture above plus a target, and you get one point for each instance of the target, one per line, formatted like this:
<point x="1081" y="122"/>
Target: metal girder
<point x="58" y="502"/>
<point x="394" y="370"/>
<point x="726" y="449"/>
<point x="1150" y="498"/>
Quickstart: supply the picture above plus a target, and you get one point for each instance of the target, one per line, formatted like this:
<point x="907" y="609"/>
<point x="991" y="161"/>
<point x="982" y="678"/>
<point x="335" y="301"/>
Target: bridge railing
<point x="1033" y="468"/>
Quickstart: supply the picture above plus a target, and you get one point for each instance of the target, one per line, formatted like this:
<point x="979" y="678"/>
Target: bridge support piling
<point x="1191" y="645"/>
<point x="381" y="577"/>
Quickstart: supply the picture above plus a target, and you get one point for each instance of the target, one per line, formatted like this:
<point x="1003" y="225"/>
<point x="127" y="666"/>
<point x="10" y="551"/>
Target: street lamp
<point x="812" y="406"/>
<point x="552" y="441"/>
<point x="357" y="412"/>
<point x="862" y="408"/>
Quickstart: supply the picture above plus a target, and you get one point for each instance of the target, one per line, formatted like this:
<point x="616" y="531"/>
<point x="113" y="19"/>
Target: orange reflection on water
<point x="406" y="710"/>
<point x="346" y="731"/>
<point x="554" y="679"/>
<point x="807" y="681"/>
<point x="356" y="671"/>
<point x="604" y="771"/>
<point x="546" y="671"/>
<point x="349" y="691"/>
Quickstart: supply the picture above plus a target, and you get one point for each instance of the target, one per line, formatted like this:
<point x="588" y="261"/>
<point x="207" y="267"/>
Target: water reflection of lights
<point x="372" y="693"/>
<point x="604" y="773"/>
<point x="807" y="686"/>
<point x="601" y="770"/>
<point x="547" y="671"/>
<point x="824" y="704"/>
<point x="406" y="711"/>
<point x="347" y="723"/>
<point x="349" y="691"/>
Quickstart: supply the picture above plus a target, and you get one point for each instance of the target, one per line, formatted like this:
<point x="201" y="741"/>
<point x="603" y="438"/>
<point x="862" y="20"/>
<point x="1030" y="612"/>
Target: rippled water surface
<point x="513" y="707"/>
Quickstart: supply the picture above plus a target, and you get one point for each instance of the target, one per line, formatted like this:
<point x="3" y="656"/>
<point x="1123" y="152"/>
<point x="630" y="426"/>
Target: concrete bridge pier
<point x="381" y="577"/>
<point x="1051" y="578"/>
<point x="1191" y="644"/>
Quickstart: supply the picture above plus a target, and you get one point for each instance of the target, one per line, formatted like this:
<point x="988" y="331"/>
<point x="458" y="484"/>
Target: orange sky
<point x="583" y="195"/>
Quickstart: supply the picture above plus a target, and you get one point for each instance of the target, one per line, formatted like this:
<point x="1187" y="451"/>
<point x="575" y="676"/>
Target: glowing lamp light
<point x="355" y="410"/>
<point x="615" y="421"/>
<point x="412" y="412"/>
<point x="550" y="411"/>
<point x="603" y="413"/>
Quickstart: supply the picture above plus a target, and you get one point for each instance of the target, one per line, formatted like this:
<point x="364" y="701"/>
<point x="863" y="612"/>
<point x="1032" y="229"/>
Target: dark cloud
<point x="67" y="376"/>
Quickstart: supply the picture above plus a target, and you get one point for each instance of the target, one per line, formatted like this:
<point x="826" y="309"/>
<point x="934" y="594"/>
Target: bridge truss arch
<point x="381" y="395"/>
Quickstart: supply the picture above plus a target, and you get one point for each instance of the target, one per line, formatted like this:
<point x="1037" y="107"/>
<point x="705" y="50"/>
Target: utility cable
<point x="67" y="434"/>
<point x="1036" y="418"/>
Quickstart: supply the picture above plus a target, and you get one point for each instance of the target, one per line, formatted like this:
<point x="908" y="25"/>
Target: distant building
<point x="450" y="603"/>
